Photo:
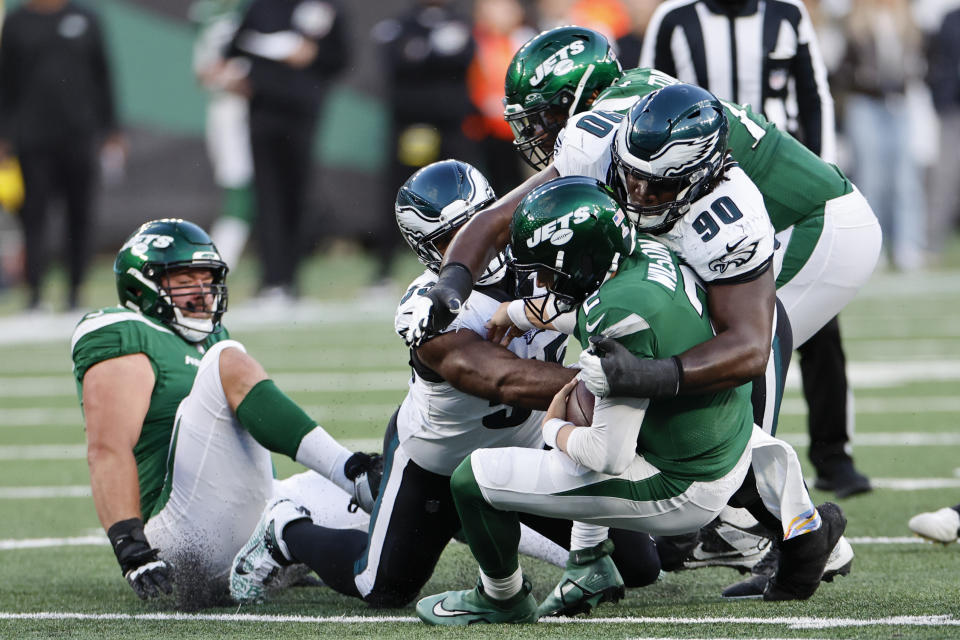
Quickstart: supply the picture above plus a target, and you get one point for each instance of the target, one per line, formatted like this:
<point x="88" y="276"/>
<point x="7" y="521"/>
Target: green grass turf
<point x="904" y="319"/>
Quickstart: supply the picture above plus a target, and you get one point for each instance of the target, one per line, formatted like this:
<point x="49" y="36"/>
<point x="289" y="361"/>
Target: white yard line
<point x="862" y="375"/>
<point x="798" y="622"/>
<point x="100" y="539"/>
<point x="45" y="543"/>
<point x="33" y="493"/>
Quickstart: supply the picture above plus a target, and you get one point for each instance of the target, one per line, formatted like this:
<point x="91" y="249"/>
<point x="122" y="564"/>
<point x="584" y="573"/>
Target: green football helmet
<point x="553" y="76"/>
<point x="150" y="253"/>
<point x="434" y="202"/>
<point x="571" y="233"/>
<point x="675" y="139"/>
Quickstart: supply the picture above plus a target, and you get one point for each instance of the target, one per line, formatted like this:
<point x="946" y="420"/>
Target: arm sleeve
<point x="609" y="445"/>
<point x="814" y="101"/>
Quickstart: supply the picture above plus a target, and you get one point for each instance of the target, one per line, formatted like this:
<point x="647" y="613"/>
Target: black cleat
<point x="803" y="559"/>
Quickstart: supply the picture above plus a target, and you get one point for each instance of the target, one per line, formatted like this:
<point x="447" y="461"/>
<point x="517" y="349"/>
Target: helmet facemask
<point x="535" y="129"/>
<point x="175" y="312"/>
<point x="212" y="302"/>
<point x="555" y="75"/>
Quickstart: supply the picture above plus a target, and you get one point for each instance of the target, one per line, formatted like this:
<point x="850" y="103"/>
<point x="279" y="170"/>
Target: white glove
<point x="426" y="319"/>
<point x="591" y="372"/>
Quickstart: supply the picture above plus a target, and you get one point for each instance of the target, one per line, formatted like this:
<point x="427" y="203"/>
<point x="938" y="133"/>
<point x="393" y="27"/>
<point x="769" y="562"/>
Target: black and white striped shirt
<point x="760" y="52"/>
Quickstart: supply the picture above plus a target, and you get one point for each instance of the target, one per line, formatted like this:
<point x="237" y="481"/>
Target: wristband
<point x="129" y="543"/>
<point x="517" y="310"/>
<point x="551" y="428"/>
<point x="456" y="276"/>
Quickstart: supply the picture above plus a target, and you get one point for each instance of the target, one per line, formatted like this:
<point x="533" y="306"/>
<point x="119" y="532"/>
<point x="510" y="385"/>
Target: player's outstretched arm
<point x="487" y="370"/>
<point x="116" y="397"/>
<point x="468" y="255"/>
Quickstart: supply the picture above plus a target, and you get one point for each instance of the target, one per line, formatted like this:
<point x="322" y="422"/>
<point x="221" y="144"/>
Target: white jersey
<point x="725" y="236"/>
<point x="439" y="425"/>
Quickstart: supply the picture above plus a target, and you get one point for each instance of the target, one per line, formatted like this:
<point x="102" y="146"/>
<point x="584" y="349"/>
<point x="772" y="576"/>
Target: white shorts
<point x="535" y="481"/>
<point x="219" y="481"/>
<point x="842" y="261"/>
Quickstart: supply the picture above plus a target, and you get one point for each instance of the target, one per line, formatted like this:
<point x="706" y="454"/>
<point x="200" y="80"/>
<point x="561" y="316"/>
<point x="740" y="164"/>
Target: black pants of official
<point x="66" y="169"/>
<point x="282" y="145"/>
<point x="823" y="372"/>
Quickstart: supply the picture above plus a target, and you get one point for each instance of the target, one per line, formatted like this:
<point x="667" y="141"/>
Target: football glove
<point x="366" y="471"/>
<point x="609" y="369"/>
<point x="439" y="305"/>
<point x="147" y="574"/>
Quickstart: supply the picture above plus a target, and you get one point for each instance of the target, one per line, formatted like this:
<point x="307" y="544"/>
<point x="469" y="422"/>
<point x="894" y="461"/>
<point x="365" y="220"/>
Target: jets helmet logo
<point x="559" y="63"/>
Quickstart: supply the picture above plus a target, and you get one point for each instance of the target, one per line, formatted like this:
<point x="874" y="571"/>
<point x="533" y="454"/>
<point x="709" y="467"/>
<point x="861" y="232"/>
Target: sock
<point x="331" y="553"/>
<point x="502" y="588"/>
<point x="586" y="536"/>
<point x="320" y="452"/>
<point x="279" y="424"/>
<point x="273" y="419"/>
<point x="493" y="535"/>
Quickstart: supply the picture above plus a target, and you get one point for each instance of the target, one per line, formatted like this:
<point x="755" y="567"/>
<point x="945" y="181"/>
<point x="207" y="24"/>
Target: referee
<point x="765" y="53"/>
<point x="758" y="52"/>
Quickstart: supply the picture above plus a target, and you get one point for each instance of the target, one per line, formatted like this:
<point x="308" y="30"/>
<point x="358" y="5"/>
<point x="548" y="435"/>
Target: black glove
<point x="633" y="377"/>
<point x="437" y="308"/>
<point x="366" y="471"/>
<point x="147" y="574"/>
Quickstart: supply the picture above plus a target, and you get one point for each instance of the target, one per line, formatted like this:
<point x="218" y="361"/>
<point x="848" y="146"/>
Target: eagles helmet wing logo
<point x="678" y="156"/>
<point x="737" y="258"/>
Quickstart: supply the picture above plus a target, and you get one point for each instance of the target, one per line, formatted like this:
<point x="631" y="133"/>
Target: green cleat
<point x="473" y="606"/>
<point x="590" y="578"/>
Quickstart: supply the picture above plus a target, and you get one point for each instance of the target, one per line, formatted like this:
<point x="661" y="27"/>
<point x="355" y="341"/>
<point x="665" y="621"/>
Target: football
<point x="580" y="405"/>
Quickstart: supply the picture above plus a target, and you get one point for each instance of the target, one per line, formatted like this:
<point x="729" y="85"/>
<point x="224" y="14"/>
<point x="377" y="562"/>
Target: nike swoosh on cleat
<point x="590" y="327"/>
<point x="439" y="611"/>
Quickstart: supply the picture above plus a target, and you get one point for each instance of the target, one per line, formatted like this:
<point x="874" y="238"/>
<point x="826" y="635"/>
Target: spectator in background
<point x="882" y="58"/>
<point x="424" y="52"/>
<point x="944" y="79"/>
<point x="612" y="18"/>
<point x="775" y="65"/>
<point x="56" y="113"/>
<point x="629" y="44"/>
<point x="227" y="125"/>
<point x="295" y="48"/>
<point x="500" y="29"/>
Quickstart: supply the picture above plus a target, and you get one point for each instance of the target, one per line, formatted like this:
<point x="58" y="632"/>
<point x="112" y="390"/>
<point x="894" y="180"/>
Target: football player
<point x="828" y="237"/>
<point x="561" y="72"/>
<point x="180" y="422"/>
<point x="661" y="465"/>
<point x="465" y="392"/>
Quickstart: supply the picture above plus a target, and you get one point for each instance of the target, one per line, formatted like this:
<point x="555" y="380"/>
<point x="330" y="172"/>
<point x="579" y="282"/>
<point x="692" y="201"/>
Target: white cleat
<point x="940" y="526"/>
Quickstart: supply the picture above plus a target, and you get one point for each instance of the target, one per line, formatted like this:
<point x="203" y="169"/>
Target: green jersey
<point x="114" y="332"/>
<point x="655" y="309"/>
<point x="772" y="159"/>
